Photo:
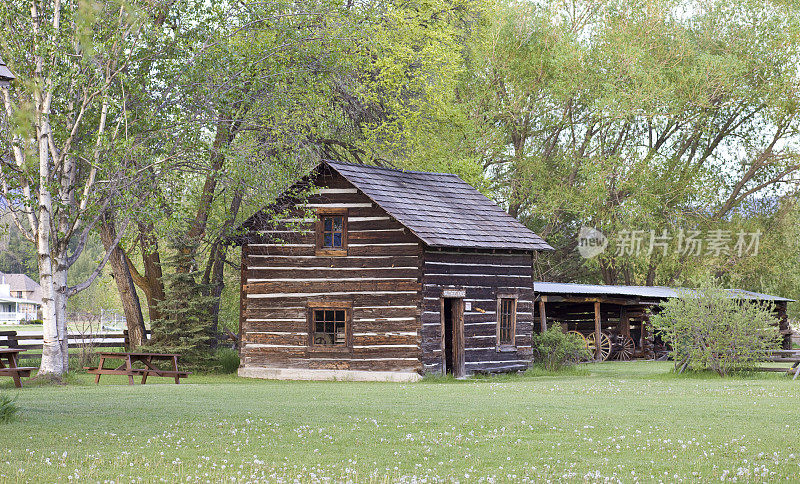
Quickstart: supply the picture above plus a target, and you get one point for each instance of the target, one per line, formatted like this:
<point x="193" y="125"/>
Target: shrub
<point x="187" y="324"/>
<point x="8" y="409"/>
<point x="227" y="360"/>
<point x="554" y="349"/>
<point x="708" y="329"/>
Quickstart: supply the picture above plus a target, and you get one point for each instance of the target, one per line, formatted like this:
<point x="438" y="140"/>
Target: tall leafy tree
<point x="632" y="116"/>
<point x="67" y="157"/>
<point x="272" y="89"/>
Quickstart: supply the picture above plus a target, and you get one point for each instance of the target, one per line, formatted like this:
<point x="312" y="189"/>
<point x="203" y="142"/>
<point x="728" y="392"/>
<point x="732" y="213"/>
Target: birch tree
<point x="66" y="158"/>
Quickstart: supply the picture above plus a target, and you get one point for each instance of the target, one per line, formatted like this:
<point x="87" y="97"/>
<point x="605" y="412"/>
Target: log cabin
<point x="366" y="273"/>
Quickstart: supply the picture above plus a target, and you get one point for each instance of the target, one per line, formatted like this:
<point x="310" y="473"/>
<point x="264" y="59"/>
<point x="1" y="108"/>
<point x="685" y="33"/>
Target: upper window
<point x="506" y="321"/>
<point x="332" y="232"/>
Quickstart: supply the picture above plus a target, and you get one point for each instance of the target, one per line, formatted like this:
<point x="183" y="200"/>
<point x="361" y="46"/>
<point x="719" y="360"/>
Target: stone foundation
<point x="332" y="375"/>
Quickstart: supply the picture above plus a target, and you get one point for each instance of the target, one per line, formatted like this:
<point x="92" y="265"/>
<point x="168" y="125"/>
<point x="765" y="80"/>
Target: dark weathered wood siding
<point x="482" y="276"/>
<point x="380" y="276"/>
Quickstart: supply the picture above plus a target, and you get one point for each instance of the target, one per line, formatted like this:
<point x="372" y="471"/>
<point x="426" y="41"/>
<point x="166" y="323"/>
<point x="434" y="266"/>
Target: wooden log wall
<point x="481" y="275"/>
<point x="380" y="277"/>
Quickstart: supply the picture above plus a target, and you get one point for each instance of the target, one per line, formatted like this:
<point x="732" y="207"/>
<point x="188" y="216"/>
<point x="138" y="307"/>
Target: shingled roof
<point x="441" y="209"/>
<point x="5" y="73"/>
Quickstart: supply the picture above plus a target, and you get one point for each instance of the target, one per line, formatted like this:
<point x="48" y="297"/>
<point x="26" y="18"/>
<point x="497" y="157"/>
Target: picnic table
<point x="9" y="367"/>
<point x="127" y="366"/>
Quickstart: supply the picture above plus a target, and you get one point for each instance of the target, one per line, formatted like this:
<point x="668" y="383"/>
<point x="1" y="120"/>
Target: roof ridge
<point x="383" y="168"/>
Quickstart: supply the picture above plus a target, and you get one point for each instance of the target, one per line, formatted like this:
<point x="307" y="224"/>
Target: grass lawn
<point x="21" y="327"/>
<point x="617" y="421"/>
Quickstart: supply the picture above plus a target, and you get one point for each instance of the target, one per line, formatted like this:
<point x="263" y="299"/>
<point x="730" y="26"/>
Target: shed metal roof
<point x="654" y="292"/>
<point x="441" y="209"/>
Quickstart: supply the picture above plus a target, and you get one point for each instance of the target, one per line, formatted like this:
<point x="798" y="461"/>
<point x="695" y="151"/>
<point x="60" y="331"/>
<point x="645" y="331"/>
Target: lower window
<point x="329" y="327"/>
<point x="506" y="321"/>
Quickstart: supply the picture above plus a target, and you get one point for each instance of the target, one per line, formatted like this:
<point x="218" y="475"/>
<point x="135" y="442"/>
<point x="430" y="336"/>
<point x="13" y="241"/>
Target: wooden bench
<point x="146" y="359"/>
<point x="145" y="372"/>
<point x="9" y="367"/>
<point x="23" y="371"/>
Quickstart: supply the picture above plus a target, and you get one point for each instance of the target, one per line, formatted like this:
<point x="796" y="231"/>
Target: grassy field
<point x="22" y="327"/>
<point x="612" y="421"/>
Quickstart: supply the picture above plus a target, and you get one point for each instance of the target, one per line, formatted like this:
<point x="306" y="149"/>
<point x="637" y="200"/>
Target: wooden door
<point x="453" y="336"/>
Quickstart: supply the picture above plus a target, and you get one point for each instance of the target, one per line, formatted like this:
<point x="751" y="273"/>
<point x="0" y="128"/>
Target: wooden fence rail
<point x="32" y="343"/>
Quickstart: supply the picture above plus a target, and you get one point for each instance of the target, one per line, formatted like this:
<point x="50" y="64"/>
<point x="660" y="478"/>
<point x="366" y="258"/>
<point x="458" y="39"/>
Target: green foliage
<point x="708" y="329"/>
<point x="102" y="295"/>
<point x="8" y="408"/>
<point x="632" y="116"/>
<point x="775" y="269"/>
<point x="187" y="326"/>
<point x="227" y="360"/>
<point x="555" y="349"/>
<point x="18" y="255"/>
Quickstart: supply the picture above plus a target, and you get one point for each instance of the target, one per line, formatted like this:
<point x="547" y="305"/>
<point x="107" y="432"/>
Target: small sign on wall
<point x="468" y="306"/>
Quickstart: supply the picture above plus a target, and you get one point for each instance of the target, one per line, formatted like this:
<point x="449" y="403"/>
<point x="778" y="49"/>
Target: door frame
<point x="458" y="333"/>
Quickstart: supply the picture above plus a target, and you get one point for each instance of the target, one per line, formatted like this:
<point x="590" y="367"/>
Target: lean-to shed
<point x="616" y="315"/>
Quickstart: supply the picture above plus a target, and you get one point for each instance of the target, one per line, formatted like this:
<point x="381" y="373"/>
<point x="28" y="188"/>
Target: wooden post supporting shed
<point x="624" y="322"/>
<point x="542" y="316"/>
<point x="597" y="329"/>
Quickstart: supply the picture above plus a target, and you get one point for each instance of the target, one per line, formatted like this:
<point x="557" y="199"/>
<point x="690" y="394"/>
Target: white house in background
<point x="20" y="298"/>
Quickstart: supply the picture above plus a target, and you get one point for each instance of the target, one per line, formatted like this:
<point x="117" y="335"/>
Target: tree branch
<point x="71" y="291"/>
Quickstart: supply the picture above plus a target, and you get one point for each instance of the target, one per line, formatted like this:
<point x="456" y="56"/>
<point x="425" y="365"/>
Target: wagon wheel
<point x="625" y="348"/>
<point x="585" y="343"/>
<point x="605" y="345"/>
<point x="323" y="339"/>
<point x="583" y="338"/>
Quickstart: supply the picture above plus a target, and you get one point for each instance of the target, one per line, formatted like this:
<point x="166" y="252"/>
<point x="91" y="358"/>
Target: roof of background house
<point x="655" y="292"/>
<point x="441" y="209"/>
<point x="21" y="282"/>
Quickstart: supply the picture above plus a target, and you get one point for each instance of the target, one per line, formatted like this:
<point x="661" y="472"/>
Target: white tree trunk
<point x="52" y="350"/>
<point x="60" y="280"/>
<point x="60" y="213"/>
